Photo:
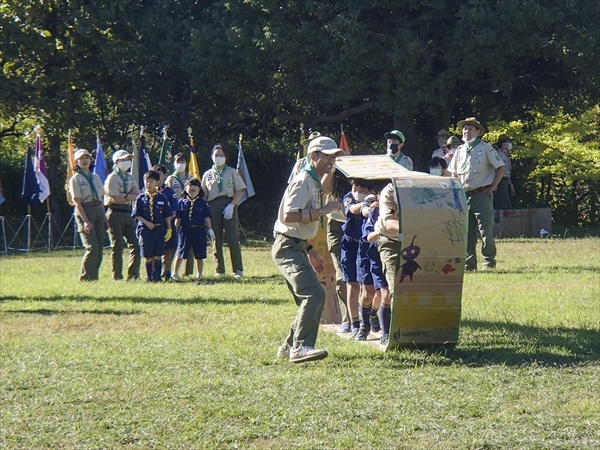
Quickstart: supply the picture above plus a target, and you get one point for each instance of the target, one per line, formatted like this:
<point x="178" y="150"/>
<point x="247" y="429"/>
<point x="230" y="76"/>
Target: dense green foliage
<point x="262" y="68"/>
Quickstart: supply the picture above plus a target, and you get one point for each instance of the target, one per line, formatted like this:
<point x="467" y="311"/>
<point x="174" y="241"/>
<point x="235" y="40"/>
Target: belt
<point x="475" y="191"/>
<point x="505" y="178"/>
<point x="219" y="197"/>
<point x="276" y="233"/>
<point x="96" y="203"/>
<point x="128" y="211"/>
<point x="194" y="226"/>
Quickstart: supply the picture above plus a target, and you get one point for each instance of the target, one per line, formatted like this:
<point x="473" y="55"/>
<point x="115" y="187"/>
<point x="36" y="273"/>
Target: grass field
<point x="136" y="365"/>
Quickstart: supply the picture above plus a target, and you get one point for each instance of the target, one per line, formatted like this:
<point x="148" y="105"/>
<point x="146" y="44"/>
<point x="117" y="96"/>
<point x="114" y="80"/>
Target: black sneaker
<point x="363" y="333"/>
<point x="383" y="342"/>
<point x="375" y="325"/>
<point x="353" y="333"/>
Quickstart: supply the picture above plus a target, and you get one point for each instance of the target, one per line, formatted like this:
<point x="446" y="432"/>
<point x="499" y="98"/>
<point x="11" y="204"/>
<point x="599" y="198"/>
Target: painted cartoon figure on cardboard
<point x="410" y="266"/>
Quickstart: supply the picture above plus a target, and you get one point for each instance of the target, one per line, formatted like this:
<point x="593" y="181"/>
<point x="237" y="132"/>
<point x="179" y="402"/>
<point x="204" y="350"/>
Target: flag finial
<point x="190" y="135"/>
<point x="241" y="137"/>
<point x="142" y="130"/>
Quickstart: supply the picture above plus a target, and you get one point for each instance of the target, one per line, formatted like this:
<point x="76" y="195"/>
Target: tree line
<point x="262" y="68"/>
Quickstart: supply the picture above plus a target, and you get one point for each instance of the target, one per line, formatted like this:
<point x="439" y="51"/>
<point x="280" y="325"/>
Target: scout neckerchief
<point x="91" y="181"/>
<point x="192" y="201"/>
<point x="123" y="179"/>
<point x="178" y="177"/>
<point x="398" y="158"/>
<point x="468" y="154"/>
<point x="218" y="174"/>
<point x="151" y="203"/>
<point x="313" y="173"/>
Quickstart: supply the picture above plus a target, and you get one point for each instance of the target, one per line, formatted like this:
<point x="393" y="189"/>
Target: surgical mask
<point x="509" y="146"/>
<point x="219" y="160"/>
<point x="179" y="167"/>
<point x="358" y="196"/>
<point x="124" y="166"/>
<point x="434" y="171"/>
<point x="470" y="141"/>
<point x="441" y="143"/>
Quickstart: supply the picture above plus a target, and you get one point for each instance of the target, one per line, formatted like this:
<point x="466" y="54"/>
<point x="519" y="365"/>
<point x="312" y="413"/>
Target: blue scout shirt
<point x="160" y="211"/>
<point x="170" y="194"/>
<point x="352" y="226"/>
<point x="195" y="215"/>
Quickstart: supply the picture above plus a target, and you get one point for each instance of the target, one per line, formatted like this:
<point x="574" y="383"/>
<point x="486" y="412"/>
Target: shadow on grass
<point x="502" y="343"/>
<point x="51" y="312"/>
<point x="540" y="270"/>
<point x="148" y="300"/>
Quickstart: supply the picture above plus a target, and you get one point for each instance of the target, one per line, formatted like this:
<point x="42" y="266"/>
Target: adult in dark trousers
<point x="121" y="190"/>
<point x="87" y="192"/>
<point x="505" y="187"/>
<point x="479" y="168"/>
<point x="224" y="188"/>
<point x="300" y="213"/>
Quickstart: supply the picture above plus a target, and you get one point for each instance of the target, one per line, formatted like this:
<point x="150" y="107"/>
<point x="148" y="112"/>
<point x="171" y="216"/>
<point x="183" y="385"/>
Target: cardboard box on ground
<point x="433" y="218"/>
<point x="522" y="222"/>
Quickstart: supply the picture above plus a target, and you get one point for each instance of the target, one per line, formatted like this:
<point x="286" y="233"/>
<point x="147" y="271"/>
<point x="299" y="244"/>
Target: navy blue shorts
<point x="379" y="280"/>
<point x="152" y="242"/>
<point x="363" y="273"/>
<point x="171" y="244"/>
<point x="349" y="252"/>
<point x="191" y="238"/>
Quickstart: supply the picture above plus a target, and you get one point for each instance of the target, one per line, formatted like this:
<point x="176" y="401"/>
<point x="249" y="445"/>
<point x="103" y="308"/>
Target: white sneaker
<point x="175" y="276"/>
<point x="304" y="354"/>
<point x="283" y="351"/>
<point x="239" y="274"/>
<point x="199" y="276"/>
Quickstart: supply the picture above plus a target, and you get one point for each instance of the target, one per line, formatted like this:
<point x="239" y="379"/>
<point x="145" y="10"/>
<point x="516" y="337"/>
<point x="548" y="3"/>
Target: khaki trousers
<point x="225" y="229"/>
<point x="122" y="226"/>
<point x="93" y="242"/>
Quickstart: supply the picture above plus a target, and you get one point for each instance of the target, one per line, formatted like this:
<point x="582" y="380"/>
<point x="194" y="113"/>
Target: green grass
<point x="136" y="365"/>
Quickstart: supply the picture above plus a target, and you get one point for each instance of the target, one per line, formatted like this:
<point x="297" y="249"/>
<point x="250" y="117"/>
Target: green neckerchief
<point x="468" y="155"/>
<point x="218" y="174"/>
<point x="398" y="158"/>
<point x="176" y="175"/>
<point x="91" y="181"/>
<point x="123" y="179"/>
<point x="313" y="173"/>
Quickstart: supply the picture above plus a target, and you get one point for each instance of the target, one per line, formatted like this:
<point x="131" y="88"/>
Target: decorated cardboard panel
<point x="331" y="310"/>
<point x="370" y="167"/>
<point x="433" y="217"/>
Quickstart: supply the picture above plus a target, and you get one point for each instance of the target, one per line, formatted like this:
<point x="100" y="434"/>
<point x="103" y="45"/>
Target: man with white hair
<point x="479" y="168"/>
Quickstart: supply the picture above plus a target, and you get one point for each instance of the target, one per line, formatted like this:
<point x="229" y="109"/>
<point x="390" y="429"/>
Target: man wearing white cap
<point x="121" y="189"/>
<point x="480" y="169"/>
<point x="300" y="213"/>
<point x="395" y="141"/>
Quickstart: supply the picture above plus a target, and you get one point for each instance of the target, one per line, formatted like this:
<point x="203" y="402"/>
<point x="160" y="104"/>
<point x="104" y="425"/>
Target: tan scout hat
<point x="472" y="121"/>
<point x="325" y="145"/>
<point x="80" y="152"/>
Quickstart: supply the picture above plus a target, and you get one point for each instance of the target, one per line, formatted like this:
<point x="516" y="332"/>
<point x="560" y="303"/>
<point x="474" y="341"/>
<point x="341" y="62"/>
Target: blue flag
<point x="1" y="193"/>
<point x="100" y="162"/>
<point x="31" y="188"/>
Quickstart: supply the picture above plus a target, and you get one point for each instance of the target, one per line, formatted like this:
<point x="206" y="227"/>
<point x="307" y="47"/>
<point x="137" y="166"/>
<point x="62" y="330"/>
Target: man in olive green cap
<point x="395" y="141"/>
<point x="480" y="169"/>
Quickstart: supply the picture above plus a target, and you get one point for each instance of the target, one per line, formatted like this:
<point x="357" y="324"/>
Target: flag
<point x="242" y="169"/>
<point x="100" y="168"/>
<point x="344" y="144"/>
<point x="301" y="151"/>
<point x="70" y="168"/>
<point x="165" y="158"/>
<point x="193" y="167"/>
<point x="41" y="174"/>
<point x="1" y="193"/>
<point x="31" y="188"/>
<point x="142" y="163"/>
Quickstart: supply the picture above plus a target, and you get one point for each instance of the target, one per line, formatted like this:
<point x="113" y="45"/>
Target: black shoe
<point x="383" y="342"/>
<point x="363" y="333"/>
<point x="375" y="325"/>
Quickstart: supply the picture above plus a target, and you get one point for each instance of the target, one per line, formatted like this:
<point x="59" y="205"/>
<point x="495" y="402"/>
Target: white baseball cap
<point x="325" y="145"/>
<point x="121" y="154"/>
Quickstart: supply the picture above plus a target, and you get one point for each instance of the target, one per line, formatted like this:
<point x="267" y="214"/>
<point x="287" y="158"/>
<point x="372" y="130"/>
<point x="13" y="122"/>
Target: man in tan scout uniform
<point x="480" y="169"/>
<point x="300" y="213"/>
<point x="87" y="192"/>
<point x="121" y="189"/>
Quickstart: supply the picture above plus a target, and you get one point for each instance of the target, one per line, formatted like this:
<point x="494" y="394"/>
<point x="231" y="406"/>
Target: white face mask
<point x="509" y="146"/>
<point x="470" y="141"/>
<point x="124" y="166"/>
<point x="179" y="167"/>
<point x="219" y="160"/>
<point x="358" y="196"/>
<point x="434" y="171"/>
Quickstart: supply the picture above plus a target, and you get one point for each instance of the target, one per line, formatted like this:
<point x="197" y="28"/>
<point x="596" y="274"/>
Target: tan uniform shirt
<point x="302" y="193"/>
<point x="177" y="185"/>
<point x="388" y="209"/>
<point x="79" y="187"/>
<point x="114" y="187"/>
<point x="477" y="166"/>
<point x="231" y="182"/>
<point x="507" y="164"/>
<point x="438" y="153"/>
<point x="403" y="160"/>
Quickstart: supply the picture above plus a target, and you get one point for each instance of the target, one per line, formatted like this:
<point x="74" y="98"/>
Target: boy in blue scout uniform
<point x="192" y="221"/>
<point x="153" y="213"/>
<point x="171" y="244"/>
<point x="352" y="202"/>
<point x="480" y="169"/>
<point x="300" y="212"/>
<point x="121" y="190"/>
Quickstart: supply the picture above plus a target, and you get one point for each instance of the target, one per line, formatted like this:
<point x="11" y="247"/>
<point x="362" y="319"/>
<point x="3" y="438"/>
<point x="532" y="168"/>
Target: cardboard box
<point x="522" y="222"/>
